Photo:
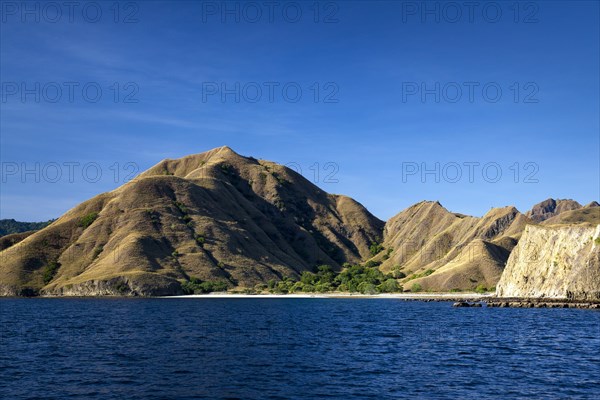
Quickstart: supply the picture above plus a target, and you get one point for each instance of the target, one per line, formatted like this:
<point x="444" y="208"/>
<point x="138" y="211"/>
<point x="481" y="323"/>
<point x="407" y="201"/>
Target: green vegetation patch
<point x="227" y="169"/>
<point x="397" y="273"/>
<point x="353" y="278"/>
<point x="88" y="219"/>
<point x="375" y="248"/>
<point x="97" y="252"/>
<point x="416" y="287"/>
<point x="50" y="271"/>
<point x="181" y="207"/>
<point x="421" y="275"/>
<point x="197" y="286"/>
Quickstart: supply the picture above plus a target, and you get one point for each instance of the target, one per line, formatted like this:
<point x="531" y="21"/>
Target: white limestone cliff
<point x="557" y="261"/>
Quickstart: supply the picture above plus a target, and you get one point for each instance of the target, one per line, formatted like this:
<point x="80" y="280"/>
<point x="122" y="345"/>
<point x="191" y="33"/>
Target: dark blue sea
<point x="293" y="349"/>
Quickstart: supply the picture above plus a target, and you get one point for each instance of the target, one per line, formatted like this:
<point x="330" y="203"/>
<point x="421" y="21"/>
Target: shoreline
<point x="459" y="299"/>
<point x="466" y="299"/>
<point x="344" y="295"/>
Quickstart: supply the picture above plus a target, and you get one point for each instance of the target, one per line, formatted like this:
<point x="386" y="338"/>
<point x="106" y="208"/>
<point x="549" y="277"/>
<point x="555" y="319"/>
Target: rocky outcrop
<point x="550" y="208"/>
<point x="558" y="261"/>
<point x="589" y="214"/>
<point x="134" y="285"/>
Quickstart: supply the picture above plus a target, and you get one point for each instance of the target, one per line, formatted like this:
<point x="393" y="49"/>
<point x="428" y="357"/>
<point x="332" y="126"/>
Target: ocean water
<point x="293" y="348"/>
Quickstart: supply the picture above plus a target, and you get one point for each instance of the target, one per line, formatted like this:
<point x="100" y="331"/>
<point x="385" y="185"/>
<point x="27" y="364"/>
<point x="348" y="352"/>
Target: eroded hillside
<point x="211" y="216"/>
<point x="431" y="248"/>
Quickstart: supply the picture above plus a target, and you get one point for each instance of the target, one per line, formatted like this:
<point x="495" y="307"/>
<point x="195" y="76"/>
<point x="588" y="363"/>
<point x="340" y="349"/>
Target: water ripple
<point x="293" y="348"/>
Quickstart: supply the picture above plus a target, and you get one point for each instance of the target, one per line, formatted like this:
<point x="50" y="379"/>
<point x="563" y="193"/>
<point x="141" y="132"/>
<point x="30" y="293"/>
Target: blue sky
<point x="370" y="132"/>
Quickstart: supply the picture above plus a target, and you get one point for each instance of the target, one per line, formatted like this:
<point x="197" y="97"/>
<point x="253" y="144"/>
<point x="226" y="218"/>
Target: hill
<point x="10" y="226"/>
<point x="214" y="216"/>
<point x="431" y="248"/>
<point x="219" y="220"/>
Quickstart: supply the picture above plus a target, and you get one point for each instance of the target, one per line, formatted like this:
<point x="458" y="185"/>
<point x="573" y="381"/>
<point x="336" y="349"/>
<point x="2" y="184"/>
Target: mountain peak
<point x="225" y="149"/>
<point x="550" y="208"/>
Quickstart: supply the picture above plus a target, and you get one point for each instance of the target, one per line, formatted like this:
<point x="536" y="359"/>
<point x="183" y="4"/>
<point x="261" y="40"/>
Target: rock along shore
<point x="541" y="303"/>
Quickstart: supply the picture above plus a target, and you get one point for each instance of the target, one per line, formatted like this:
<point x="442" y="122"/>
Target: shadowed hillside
<point x="431" y="248"/>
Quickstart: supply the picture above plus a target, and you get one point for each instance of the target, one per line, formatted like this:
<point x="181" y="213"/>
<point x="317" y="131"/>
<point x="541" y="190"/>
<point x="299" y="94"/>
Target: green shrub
<point x="386" y="256"/>
<point x="389" y="286"/>
<point x="88" y="219"/>
<point x="325" y="274"/>
<point x="308" y="278"/>
<point x="481" y="289"/>
<point x="416" y="287"/>
<point x="279" y="179"/>
<point x="181" y="207"/>
<point x="308" y="288"/>
<point x="398" y="274"/>
<point x="371" y="264"/>
<point x="375" y="248"/>
<point x="597" y="240"/>
<point x="297" y="287"/>
<point x="323" y="287"/>
<point x="421" y="275"/>
<point x="259" y="287"/>
<point x="226" y="168"/>
<point x="50" y="271"/>
<point x="97" y="252"/>
<point x="122" y="287"/>
<point x="197" y="286"/>
<point x="281" y="288"/>
<point x="367" y="288"/>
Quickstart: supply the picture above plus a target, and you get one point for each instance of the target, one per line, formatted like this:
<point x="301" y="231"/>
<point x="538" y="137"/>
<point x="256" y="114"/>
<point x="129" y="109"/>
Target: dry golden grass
<point x="214" y="216"/>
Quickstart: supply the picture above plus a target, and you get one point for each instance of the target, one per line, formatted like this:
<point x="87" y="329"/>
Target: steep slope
<point x="213" y="216"/>
<point x="550" y="208"/>
<point x="438" y="250"/>
<point x="558" y="261"/>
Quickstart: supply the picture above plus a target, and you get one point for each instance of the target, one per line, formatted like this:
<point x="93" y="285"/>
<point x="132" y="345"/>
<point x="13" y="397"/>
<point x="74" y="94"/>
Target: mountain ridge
<point x="242" y="221"/>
